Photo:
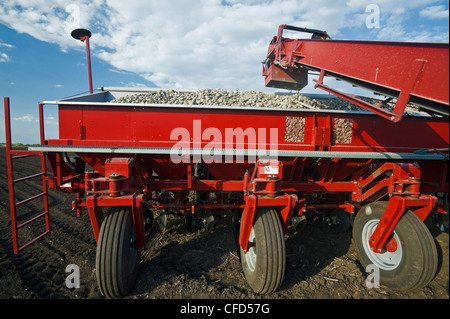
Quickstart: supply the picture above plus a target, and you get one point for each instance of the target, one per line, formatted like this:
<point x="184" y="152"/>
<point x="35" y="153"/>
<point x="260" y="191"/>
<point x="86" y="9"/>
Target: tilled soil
<point x="321" y="262"/>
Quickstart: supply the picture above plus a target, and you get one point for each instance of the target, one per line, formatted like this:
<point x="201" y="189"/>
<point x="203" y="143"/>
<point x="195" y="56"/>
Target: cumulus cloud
<point x="195" y="44"/>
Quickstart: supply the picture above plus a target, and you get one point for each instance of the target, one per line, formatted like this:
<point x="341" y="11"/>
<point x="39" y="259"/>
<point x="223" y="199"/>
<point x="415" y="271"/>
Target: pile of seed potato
<point x="294" y="132"/>
<point x="221" y="97"/>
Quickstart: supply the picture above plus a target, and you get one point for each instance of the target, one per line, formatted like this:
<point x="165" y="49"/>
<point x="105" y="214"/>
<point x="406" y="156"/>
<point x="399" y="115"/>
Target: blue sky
<point x="174" y="44"/>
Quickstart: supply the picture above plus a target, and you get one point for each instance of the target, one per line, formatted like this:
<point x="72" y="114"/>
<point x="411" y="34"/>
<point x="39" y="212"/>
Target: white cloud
<point x="196" y="44"/>
<point x="4" y="57"/>
<point x="7" y="45"/>
<point x="25" y="118"/>
<point x="49" y="21"/>
<point x="395" y="26"/>
<point x="199" y="44"/>
<point x="132" y="84"/>
<point x="51" y="120"/>
<point x="435" y="12"/>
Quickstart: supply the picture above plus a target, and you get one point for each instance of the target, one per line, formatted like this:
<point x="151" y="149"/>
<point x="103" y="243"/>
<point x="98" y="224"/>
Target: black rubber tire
<point x="117" y="256"/>
<point x="418" y="263"/>
<point x="267" y="274"/>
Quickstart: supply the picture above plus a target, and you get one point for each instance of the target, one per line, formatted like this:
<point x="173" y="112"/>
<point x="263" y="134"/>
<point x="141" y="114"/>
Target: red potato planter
<point x="121" y="160"/>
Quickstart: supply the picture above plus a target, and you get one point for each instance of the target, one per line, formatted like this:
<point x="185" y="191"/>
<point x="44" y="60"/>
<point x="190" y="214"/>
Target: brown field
<point x="321" y="262"/>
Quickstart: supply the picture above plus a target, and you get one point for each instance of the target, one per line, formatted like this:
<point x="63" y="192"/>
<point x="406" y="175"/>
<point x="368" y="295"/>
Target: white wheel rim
<point x="250" y="256"/>
<point x="383" y="260"/>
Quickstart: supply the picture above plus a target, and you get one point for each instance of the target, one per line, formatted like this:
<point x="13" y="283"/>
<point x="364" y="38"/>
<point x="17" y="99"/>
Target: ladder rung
<point x="31" y="220"/>
<point x="22" y="156"/>
<point x="31" y="198"/>
<point x="27" y="177"/>
<point x="33" y="240"/>
<point x="24" y="153"/>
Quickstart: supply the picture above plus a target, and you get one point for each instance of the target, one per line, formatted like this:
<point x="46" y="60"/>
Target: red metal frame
<point x="396" y="207"/>
<point x="125" y="179"/>
<point x="410" y="72"/>
<point x="118" y="179"/>
<point x="127" y="126"/>
<point x="96" y="202"/>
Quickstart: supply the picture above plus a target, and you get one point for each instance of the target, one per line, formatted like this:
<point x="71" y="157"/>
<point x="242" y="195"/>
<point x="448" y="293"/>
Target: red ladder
<point x="16" y="154"/>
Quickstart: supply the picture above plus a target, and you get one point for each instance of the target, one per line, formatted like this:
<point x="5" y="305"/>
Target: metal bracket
<point x="397" y="204"/>
<point x="402" y="100"/>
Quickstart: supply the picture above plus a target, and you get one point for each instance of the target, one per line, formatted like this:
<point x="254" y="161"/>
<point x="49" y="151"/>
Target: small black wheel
<point x="340" y="220"/>
<point x="161" y="220"/>
<point x="410" y="259"/>
<point x="117" y="255"/>
<point x="298" y="223"/>
<point x="190" y="220"/>
<point x="148" y="219"/>
<point x="265" y="261"/>
<point x="208" y="221"/>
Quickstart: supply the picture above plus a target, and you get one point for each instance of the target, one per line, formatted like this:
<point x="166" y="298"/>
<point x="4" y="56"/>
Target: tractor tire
<point x="413" y="263"/>
<point x="117" y="256"/>
<point x="265" y="261"/>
